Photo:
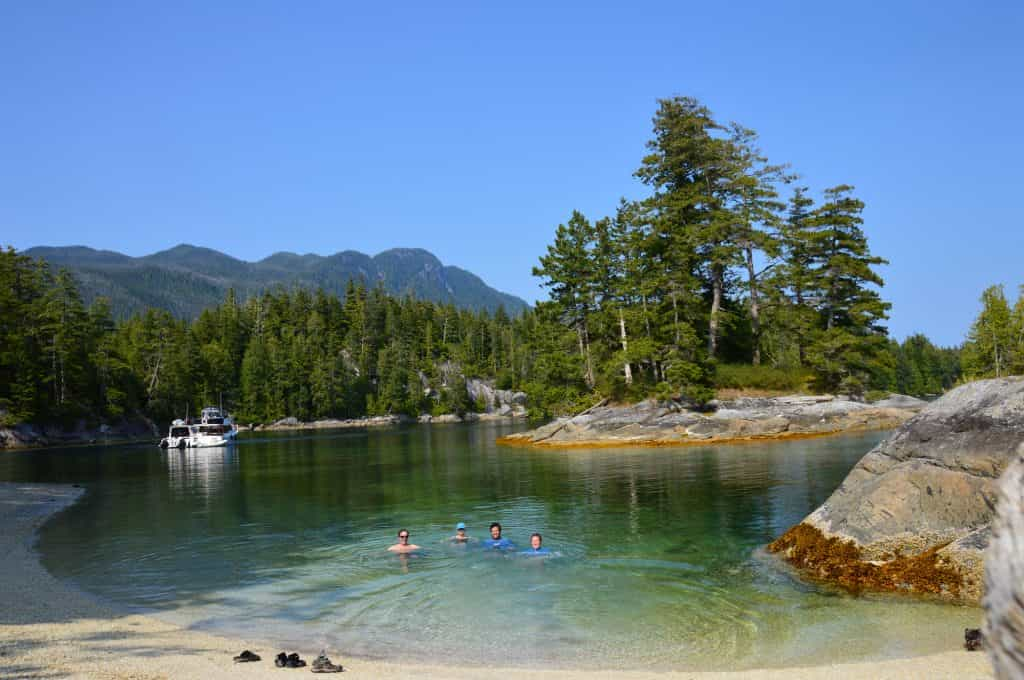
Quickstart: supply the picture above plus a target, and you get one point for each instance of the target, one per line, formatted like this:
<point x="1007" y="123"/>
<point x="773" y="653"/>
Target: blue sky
<point x="473" y="129"/>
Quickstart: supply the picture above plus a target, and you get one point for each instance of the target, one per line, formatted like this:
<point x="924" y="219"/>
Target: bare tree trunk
<point x="675" y="317"/>
<point x="53" y="364"/>
<point x="755" y="310"/>
<point x="647" y="320"/>
<point x="625" y="348"/>
<point x="832" y="286"/>
<point x="590" y="367"/>
<point x="154" y="380"/>
<point x="717" y="285"/>
<point x="584" y="343"/>
<point x="995" y="349"/>
<point x="799" y="338"/>
<point x="512" y="353"/>
<point x="1004" y="577"/>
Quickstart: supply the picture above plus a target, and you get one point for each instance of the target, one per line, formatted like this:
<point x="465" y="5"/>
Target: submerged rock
<point x="914" y="514"/>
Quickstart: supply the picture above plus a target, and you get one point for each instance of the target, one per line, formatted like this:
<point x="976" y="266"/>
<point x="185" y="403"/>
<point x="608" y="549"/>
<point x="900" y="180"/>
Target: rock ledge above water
<point x="667" y="424"/>
<point x="915" y="513"/>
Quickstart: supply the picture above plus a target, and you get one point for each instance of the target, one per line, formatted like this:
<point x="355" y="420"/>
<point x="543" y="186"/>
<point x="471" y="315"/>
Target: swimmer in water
<point x="460" y="534"/>
<point x="535" y="546"/>
<point x="403" y="545"/>
<point x="496" y="541"/>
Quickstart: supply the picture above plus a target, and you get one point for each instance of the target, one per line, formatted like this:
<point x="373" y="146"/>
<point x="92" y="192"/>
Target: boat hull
<point x="206" y="440"/>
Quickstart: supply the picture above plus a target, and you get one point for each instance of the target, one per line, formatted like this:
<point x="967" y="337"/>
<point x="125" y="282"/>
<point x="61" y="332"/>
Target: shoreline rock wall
<point x="27" y="435"/>
<point x="381" y="421"/>
<point x="915" y="513"/>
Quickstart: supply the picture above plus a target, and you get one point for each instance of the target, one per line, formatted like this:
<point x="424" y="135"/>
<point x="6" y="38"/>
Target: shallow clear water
<point x="658" y="562"/>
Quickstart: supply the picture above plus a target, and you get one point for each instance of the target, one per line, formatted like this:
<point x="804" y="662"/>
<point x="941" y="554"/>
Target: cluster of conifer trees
<point x="995" y="343"/>
<point x="284" y="353"/>
<point x="56" y="356"/>
<point x="311" y="355"/>
<point x="715" y="266"/>
<point x="713" y="280"/>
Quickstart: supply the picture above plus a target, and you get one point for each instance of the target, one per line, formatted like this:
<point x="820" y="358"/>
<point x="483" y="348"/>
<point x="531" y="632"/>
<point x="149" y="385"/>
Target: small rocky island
<point x="653" y="423"/>
<point x="915" y="514"/>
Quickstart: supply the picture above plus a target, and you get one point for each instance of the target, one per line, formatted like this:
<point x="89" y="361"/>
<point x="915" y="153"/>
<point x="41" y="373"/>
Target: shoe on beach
<point x="281" y="660"/>
<point x="247" y="656"/>
<point x="323" y="665"/>
<point x="293" y="661"/>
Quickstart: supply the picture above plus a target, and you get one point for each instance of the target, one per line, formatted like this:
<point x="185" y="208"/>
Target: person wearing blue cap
<point x="460" y="534"/>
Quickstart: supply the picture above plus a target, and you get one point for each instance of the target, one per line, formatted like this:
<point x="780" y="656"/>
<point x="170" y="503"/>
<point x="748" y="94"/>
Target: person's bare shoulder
<point x="399" y="548"/>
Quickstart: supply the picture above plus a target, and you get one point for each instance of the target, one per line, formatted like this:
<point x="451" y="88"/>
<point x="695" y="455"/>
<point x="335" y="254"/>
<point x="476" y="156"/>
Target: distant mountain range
<point x="187" y="279"/>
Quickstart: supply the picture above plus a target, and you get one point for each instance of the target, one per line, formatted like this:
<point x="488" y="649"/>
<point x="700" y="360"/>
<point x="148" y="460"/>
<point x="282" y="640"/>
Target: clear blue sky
<point x="472" y="130"/>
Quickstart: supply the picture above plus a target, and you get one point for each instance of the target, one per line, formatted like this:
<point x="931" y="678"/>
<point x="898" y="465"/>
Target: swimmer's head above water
<point x="403" y="544"/>
<point x="495" y="530"/>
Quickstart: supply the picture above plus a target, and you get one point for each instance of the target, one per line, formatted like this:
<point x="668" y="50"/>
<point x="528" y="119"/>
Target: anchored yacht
<point x="178" y="436"/>
<point x="214" y="428"/>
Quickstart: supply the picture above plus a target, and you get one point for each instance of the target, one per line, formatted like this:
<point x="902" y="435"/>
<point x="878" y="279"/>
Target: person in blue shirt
<point x="535" y="546"/>
<point x="496" y="541"/>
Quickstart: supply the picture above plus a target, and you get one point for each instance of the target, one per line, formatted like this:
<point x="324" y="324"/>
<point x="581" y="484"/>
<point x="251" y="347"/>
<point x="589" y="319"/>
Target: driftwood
<point x="1004" y="577"/>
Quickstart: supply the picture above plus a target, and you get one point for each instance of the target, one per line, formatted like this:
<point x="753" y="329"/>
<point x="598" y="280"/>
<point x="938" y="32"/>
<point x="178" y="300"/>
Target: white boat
<point x="178" y="436"/>
<point x="214" y="428"/>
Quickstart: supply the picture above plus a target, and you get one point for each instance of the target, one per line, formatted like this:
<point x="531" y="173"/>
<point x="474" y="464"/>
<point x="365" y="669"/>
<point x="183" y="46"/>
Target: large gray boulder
<point x="915" y="513"/>
<point x="494" y="400"/>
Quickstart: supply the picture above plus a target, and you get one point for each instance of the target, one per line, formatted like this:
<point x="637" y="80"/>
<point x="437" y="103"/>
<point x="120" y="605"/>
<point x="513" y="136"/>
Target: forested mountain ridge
<point x="186" y="279"/>
<point x="661" y="299"/>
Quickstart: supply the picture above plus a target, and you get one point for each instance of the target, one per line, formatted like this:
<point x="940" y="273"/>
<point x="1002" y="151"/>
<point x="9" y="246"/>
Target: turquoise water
<point x="657" y="551"/>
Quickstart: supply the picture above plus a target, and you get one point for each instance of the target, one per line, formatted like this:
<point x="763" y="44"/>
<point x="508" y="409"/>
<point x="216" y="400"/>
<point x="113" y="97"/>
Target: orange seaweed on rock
<point x="839" y="561"/>
<point x="520" y="440"/>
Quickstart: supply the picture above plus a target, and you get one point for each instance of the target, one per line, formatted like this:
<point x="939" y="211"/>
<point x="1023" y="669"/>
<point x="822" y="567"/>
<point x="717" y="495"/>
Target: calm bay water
<point x="657" y="551"/>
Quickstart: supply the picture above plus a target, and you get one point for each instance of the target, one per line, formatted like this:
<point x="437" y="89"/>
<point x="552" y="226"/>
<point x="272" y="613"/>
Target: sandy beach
<point x="51" y="630"/>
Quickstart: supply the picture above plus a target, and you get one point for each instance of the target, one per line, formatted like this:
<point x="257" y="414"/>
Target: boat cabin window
<point x="179" y="431"/>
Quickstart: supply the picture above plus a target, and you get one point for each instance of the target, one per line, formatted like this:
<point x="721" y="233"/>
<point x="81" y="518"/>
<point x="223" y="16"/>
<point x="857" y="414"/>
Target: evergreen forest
<point x="730" y="274"/>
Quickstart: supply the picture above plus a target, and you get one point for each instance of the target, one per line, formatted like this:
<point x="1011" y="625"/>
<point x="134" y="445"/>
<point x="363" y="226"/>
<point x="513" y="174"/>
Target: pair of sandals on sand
<point x="320" y="665"/>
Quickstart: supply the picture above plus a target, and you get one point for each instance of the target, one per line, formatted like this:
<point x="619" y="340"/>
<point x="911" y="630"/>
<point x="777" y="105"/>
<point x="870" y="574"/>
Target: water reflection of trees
<point x="437" y="471"/>
<point x="268" y="502"/>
